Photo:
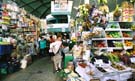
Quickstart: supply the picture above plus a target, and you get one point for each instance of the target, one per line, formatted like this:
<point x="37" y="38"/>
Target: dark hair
<point x="51" y="36"/>
<point x="59" y="36"/>
<point x="65" y="44"/>
<point x="42" y="37"/>
<point x="80" y="42"/>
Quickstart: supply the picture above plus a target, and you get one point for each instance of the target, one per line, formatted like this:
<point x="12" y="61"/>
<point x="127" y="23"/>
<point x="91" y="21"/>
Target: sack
<point x="23" y="63"/>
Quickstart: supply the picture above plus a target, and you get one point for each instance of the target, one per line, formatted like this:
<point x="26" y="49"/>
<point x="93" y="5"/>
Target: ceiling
<point x="39" y="8"/>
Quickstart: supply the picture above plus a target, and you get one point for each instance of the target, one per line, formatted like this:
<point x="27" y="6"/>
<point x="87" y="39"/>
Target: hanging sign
<point x="60" y="5"/>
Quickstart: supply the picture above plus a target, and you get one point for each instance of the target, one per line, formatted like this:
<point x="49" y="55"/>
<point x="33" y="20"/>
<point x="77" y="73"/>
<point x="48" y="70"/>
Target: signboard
<point x="60" y="5"/>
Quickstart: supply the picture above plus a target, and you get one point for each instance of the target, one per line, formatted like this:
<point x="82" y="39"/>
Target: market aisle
<point x="40" y="70"/>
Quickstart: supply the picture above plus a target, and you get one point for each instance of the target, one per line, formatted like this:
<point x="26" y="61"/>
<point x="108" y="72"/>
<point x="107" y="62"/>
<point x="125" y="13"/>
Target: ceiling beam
<point x="42" y="1"/>
<point x="15" y="1"/>
<point x="27" y="3"/>
<point x="44" y="14"/>
<point x="40" y="6"/>
<point x="30" y="7"/>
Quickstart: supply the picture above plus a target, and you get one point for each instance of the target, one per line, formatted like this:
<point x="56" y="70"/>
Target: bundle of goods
<point x="127" y="11"/>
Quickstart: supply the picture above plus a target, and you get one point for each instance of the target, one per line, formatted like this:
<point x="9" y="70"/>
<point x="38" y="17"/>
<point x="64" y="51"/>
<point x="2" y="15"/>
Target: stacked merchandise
<point x="4" y="43"/>
<point x="14" y="22"/>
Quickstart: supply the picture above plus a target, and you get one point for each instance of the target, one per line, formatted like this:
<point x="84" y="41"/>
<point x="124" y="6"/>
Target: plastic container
<point x="68" y="58"/>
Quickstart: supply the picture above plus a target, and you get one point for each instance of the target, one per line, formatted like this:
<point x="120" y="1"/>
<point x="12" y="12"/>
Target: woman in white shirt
<point x="56" y="49"/>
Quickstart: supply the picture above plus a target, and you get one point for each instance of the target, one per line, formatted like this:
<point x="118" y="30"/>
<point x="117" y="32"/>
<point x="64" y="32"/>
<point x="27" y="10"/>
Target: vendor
<point x="77" y="51"/>
<point x="124" y="57"/>
<point x="86" y="55"/>
<point x="65" y="49"/>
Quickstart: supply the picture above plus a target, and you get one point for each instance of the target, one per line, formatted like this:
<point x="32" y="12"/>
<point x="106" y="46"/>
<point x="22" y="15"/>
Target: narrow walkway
<point x="40" y="70"/>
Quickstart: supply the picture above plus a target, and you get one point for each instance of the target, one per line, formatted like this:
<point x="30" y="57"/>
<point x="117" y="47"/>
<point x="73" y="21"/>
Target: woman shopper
<point x="42" y="46"/>
<point x="57" y="58"/>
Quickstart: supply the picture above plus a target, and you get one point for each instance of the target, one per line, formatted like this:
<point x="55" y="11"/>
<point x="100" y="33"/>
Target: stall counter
<point x="113" y="75"/>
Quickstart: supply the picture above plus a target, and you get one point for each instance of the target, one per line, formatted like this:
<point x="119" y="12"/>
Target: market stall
<point x="15" y="25"/>
<point x="110" y="38"/>
<point x="103" y="73"/>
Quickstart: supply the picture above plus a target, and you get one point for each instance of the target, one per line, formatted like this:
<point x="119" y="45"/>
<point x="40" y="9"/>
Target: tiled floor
<point x="40" y="70"/>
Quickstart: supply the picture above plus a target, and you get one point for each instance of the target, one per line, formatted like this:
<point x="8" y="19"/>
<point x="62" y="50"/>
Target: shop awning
<point x="58" y="30"/>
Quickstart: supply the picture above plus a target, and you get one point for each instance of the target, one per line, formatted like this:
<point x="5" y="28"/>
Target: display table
<point x="104" y="76"/>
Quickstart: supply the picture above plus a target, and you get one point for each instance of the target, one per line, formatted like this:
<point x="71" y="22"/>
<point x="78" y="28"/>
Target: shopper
<point x="32" y="49"/>
<point x="65" y="39"/>
<point x="51" y="39"/>
<point x="36" y="45"/>
<point x="42" y="46"/>
<point x="56" y="48"/>
<point x="124" y="57"/>
<point x="65" y="50"/>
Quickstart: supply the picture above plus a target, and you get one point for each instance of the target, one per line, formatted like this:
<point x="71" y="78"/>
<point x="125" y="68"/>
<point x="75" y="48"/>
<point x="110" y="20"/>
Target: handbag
<point x="52" y="54"/>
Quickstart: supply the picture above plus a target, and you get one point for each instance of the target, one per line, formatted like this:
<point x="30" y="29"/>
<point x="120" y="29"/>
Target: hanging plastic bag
<point x="23" y="63"/>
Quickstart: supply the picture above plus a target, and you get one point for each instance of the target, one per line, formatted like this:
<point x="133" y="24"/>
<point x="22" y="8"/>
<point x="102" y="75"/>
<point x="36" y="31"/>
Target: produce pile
<point x="113" y="57"/>
<point x="128" y="43"/>
<point x="117" y="66"/>
<point x="132" y="66"/>
<point x="113" y="26"/>
<point x="99" y="44"/>
<point x="117" y="44"/>
<point x="113" y="34"/>
<point x="126" y="34"/>
<point x="84" y="9"/>
<point x="125" y="25"/>
<point x="133" y="27"/>
<point x="87" y="35"/>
